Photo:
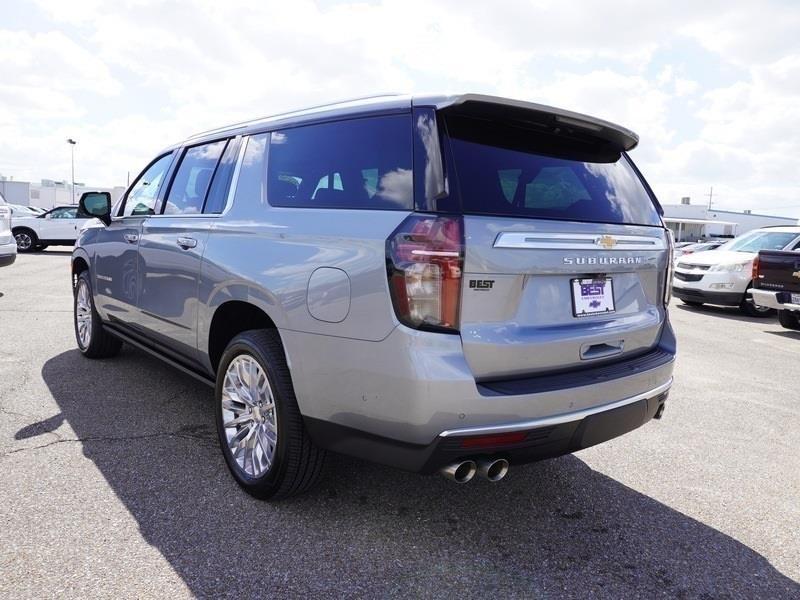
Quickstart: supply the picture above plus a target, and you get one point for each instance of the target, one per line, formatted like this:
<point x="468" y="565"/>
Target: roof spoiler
<point x="616" y="135"/>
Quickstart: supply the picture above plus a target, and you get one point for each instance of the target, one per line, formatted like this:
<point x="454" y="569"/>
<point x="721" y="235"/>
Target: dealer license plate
<point x="592" y="296"/>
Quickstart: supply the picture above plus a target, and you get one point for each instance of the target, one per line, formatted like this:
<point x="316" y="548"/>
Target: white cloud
<point x="130" y="76"/>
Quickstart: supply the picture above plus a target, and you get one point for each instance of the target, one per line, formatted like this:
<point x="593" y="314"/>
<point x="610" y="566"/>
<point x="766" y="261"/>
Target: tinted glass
<point x="64" y="213"/>
<point x="361" y="163"/>
<point x="187" y="194"/>
<point x="760" y="240"/>
<point x="250" y="185"/>
<point x="142" y="197"/>
<point x="506" y="169"/>
<point x="218" y="193"/>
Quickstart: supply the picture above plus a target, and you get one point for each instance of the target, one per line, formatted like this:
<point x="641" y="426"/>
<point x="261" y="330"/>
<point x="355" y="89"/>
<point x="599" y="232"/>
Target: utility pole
<point x="710" y="195"/>
<point x="72" y="143"/>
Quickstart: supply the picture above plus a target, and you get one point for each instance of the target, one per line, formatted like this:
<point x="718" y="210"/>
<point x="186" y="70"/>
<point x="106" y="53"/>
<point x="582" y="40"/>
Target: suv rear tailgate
<point x="517" y="311"/>
<point x="778" y="271"/>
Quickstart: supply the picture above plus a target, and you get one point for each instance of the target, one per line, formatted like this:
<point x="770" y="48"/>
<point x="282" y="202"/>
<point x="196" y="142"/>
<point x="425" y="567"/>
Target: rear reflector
<point x="499" y="439"/>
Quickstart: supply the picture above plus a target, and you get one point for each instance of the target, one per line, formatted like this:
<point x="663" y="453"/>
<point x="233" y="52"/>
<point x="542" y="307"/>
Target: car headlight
<point x="731" y="267"/>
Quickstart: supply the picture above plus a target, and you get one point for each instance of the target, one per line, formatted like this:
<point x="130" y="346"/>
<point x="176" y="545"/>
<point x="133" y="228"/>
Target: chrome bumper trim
<point x="556" y="419"/>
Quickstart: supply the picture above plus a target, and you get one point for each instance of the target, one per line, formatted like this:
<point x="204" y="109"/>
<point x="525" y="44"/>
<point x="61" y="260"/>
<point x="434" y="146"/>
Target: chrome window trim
<point x="235" y="177"/>
<point x="575" y="241"/>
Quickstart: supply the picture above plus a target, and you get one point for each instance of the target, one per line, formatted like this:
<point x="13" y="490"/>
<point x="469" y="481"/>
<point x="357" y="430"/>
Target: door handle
<point x="186" y="242"/>
<point x="131" y="238"/>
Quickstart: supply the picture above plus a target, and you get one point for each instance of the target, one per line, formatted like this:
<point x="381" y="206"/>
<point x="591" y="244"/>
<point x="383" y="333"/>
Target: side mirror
<point x="95" y="204"/>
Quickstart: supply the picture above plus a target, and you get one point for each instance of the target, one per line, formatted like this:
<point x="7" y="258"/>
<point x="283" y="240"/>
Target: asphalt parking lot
<point x="111" y="484"/>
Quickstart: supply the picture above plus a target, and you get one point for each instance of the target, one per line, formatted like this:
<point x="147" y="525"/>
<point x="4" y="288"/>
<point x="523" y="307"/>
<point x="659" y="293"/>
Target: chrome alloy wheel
<point x="83" y="314"/>
<point x="24" y="241"/>
<point x="248" y="416"/>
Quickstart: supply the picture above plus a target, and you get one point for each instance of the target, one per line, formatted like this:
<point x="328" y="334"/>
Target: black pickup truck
<point x="776" y="283"/>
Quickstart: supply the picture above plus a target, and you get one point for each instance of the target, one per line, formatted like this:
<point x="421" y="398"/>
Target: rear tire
<point x="789" y="320"/>
<point x="692" y="303"/>
<point x="751" y="309"/>
<point x="259" y="425"/>
<point x="93" y="340"/>
<point x="26" y="239"/>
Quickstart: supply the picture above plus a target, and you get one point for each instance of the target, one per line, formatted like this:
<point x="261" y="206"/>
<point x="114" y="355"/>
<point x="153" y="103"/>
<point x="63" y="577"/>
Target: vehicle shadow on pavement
<point x="792" y="335"/>
<point x="552" y="528"/>
<point x="725" y="312"/>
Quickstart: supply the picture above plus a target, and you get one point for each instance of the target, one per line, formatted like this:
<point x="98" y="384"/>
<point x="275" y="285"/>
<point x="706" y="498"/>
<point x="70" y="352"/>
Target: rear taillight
<point x="670" y="268"/>
<point x="755" y="270"/>
<point x="424" y="261"/>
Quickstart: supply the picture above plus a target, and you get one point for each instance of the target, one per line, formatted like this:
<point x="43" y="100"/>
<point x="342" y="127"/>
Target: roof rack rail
<point x="294" y="111"/>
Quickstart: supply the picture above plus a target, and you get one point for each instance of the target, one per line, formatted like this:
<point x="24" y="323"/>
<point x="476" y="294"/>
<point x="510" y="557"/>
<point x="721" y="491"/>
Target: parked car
<point x="8" y="248"/>
<point x="19" y="211"/>
<point x="724" y="276"/>
<point x="450" y="283"/>
<point x="57" y="227"/>
<point x="776" y="284"/>
<point x="685" y="249"/>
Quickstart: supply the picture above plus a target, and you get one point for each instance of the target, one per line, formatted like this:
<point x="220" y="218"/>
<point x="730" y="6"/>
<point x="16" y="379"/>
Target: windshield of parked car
<point x="760" y="240"/>
<point x="23" y="211"/>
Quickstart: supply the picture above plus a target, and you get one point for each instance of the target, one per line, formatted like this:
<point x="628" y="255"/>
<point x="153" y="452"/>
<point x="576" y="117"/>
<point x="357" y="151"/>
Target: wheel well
<point x="78" y="266"/>
<point x="231" y="319"/>
<point x="15" y="230"/>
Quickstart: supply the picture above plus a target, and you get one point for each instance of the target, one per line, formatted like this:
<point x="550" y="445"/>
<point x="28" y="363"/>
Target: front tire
<point x="26" y="239"/>
<point x="260" y="429"/>
<point x="692" y="303"/>
<point x="751" y="309"/>
<point x="789" y="320"/>
<point x="93" y="340"/>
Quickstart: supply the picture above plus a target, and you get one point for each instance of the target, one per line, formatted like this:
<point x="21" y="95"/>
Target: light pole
<point x="72" y="143"/>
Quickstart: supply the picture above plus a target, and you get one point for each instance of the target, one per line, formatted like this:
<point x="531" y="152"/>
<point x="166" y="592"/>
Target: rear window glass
<point x="504" y="169"/>
<point x="360" y="163"/>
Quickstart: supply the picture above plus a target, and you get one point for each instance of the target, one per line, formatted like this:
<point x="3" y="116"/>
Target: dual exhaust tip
<point x="464" y="471"/>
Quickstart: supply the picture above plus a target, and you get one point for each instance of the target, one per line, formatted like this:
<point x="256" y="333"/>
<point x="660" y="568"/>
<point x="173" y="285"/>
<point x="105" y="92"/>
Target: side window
<point x="64" y="213"/>
<point x="218" y="193"/>
<point x="187" y="194"/>
<point x="250" y="185"/>
<point x="360" y="163"/>
<point x="141" y="199"/>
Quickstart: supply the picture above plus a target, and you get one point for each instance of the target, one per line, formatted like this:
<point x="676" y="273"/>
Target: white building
<point x="49" y="194"/>
<point x="692" y="222"/>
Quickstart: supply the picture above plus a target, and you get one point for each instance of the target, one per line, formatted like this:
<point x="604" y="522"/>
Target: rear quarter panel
<point x="265" y="256"/>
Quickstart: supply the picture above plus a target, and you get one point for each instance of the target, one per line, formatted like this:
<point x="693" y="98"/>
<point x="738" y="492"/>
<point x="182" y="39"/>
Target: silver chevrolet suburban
<point x="452" y="284"/>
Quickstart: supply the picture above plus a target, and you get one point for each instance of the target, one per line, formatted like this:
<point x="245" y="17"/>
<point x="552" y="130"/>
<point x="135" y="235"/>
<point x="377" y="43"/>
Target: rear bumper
<point x="8" y="253"/>
<point x="709" y="297"/>
<point x="537" y="440"/>
<point x="410" y="400"/>
<point x="774" y="300"/>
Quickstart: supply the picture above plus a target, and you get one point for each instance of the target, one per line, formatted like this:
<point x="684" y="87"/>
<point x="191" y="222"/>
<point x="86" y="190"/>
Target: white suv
<point x="724" y="276"/>
<point x="57" y="227"/>
<point x="8" y="249"/>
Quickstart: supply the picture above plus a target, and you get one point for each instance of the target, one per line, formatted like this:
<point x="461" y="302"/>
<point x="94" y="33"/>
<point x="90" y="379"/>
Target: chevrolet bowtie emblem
<point x="606" y="241"/>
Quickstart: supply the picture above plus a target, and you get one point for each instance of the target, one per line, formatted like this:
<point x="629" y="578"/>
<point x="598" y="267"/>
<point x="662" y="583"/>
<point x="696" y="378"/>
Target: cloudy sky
<point x="712" y="88"/>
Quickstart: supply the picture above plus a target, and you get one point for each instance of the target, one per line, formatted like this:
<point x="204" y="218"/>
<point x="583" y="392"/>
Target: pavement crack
<point x="5" y="411"/>
<point x="181" y="433"/>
